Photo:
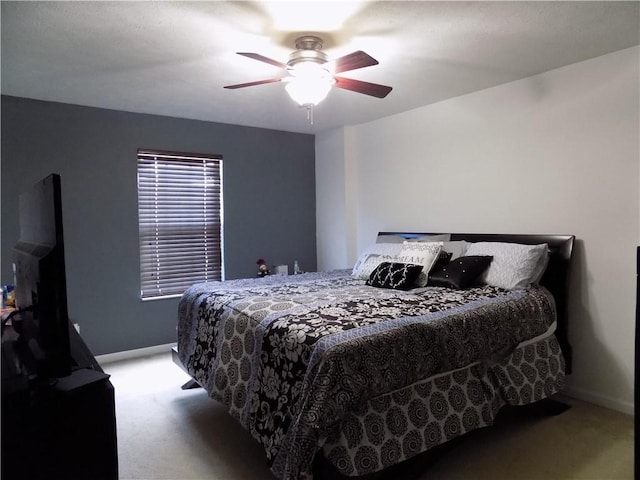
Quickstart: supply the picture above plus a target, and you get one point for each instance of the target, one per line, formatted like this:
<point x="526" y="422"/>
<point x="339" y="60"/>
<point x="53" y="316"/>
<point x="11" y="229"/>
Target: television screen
<point x="40" y="293"/>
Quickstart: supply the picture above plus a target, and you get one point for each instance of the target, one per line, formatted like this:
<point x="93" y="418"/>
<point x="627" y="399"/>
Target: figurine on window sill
<point x="263" y="270"/>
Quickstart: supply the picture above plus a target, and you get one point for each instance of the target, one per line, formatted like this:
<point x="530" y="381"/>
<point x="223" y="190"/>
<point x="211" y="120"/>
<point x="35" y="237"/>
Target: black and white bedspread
<point x="291" y="356"/>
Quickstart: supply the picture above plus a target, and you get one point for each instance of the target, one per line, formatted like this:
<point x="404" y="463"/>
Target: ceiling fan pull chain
<point x="310" y="113"/>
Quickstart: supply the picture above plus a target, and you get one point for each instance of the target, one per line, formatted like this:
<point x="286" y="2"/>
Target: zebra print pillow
<point x="398" y="276"/>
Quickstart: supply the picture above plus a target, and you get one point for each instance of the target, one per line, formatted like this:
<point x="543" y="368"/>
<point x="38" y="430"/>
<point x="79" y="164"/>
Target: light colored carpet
<point x="165" y="433"/>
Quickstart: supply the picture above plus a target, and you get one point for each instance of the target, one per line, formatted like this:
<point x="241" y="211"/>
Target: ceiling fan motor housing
<point x="309" y="49"/>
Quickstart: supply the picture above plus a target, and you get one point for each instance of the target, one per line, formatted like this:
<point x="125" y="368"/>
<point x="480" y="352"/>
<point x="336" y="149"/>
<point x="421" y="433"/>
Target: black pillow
<point x="399" y="276"/>
<point x="443" y="259"/>
<point x="460" y="272"/>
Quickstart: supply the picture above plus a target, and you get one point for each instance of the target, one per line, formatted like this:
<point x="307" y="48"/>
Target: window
<point x="180" y="221"/>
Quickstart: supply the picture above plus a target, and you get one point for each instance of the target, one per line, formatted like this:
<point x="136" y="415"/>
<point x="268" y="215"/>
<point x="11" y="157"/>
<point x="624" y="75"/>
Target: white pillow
<point x="457" y="248"/>
<point x="420" y="253"/>
<point x="514" y="265"/>
<point x="366" y="268"/>
<point x="542" y="267"/>
<point x="379" y="252"/>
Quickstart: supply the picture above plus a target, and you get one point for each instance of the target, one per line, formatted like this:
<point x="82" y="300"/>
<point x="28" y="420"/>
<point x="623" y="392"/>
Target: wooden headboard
<point x="555" y="279"/>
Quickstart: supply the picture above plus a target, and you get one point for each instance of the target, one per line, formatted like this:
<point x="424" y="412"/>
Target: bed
<point x="323" y="365"/>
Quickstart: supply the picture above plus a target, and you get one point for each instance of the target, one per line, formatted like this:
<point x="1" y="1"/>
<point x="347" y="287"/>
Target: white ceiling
<point x="173" y="58"/>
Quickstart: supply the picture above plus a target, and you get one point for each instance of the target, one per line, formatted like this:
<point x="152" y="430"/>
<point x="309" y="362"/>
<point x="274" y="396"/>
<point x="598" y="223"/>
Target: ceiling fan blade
<point x="373" y="89"/>
<point x="353" y="61"/>
<point x="251" y="84"/>
<point x="262" y="58"/>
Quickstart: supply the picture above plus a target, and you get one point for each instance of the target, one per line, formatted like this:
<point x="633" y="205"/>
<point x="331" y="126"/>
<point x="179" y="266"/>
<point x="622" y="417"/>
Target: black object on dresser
<point x="56" y="427"/>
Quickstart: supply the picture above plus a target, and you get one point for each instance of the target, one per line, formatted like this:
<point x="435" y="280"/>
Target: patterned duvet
<point x="323" y="362"/>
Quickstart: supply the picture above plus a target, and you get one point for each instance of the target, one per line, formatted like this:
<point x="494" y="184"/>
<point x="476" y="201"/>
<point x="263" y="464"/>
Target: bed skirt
<point x="396" y="426"/>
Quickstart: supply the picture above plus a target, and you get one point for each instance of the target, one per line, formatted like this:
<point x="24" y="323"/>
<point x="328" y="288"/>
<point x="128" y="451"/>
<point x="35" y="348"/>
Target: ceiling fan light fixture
<point x="309" y="83"/>
<point x="308" y="91"/>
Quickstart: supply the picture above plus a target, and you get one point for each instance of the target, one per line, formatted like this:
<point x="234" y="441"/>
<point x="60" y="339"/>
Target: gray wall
<point x="269" y="205"/>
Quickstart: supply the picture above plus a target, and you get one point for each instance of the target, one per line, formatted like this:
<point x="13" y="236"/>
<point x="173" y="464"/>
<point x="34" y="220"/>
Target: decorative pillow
<point x="370" y="264"/>
<point x="442" y="260"/>
<point x="420" y="253"/>
<point x="399" y="276"/>
<point x="460" y="272"/>
<point x="514" y="265"/>
<point x="387" y="251"/>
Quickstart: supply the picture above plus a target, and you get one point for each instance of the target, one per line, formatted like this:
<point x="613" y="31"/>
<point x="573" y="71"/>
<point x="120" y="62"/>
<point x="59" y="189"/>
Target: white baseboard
<point x="137" y="353"/>
<point x="601" y="400"/>
<point x="578" y="393"/>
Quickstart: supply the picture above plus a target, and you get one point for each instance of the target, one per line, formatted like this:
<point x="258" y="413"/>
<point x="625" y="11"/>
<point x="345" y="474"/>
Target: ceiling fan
<point x="311" y="74"/>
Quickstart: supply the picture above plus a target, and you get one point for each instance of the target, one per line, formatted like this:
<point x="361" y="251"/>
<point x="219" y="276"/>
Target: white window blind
<point x="180" y="220"/>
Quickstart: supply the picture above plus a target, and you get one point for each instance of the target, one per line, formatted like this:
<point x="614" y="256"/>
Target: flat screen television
<point x="42" y="321"/>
